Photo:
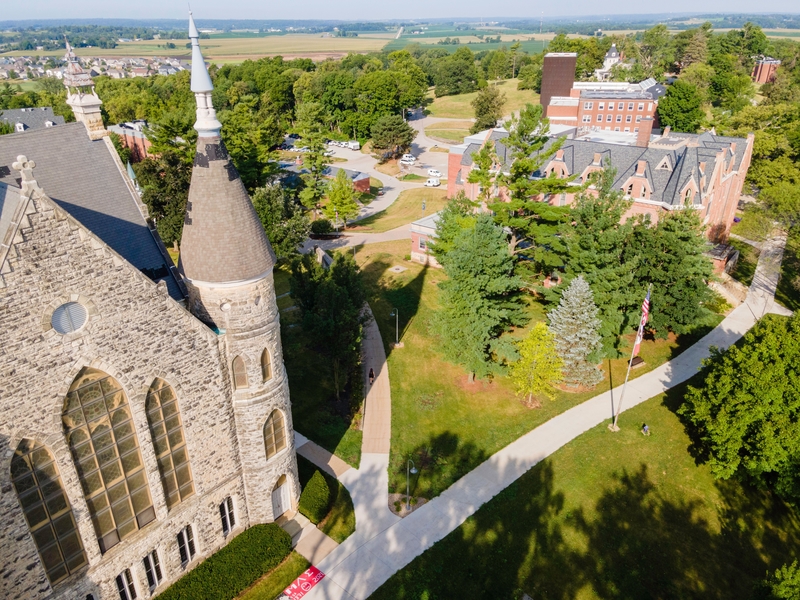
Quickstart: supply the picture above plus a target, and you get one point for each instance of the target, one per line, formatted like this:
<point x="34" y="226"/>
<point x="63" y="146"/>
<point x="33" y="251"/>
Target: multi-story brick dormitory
<point x="660" y="173"/>
<point x="145" y="409"/>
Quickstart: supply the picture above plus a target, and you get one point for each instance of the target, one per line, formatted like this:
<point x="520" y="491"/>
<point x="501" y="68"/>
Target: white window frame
<point x="588" y="105"/>
<point x="601" y="106"/>
<point x="423" y="245"/>
<point x="641" y="106"/>
<point x="649" y="107"/>
<point x="186" y="546"/>
<point x="620" y="106"/>
<point x="627" y="130"/>
<point x="619" y="118"/>
<point x="630" y="105"/>
<point x="627" y="118"/>
<point x="599" y="118"/>
<point x="616" y="128"/>
<point x="638" y="118"/>
<point x="609" y="118"/>
<point x="125" y="585"/>
<point x="587" y="118"/>
<point x="227" y="515"/>
<point x="152" y="570"/>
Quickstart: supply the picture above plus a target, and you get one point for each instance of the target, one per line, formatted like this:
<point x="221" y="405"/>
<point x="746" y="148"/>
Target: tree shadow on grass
<point x="440" y="460"/>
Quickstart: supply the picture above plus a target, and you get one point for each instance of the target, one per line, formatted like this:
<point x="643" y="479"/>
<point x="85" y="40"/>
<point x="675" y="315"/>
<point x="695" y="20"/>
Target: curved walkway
<point x="383" y="543"/>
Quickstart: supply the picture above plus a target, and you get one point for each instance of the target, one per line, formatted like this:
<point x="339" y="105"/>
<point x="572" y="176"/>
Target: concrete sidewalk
<point x="360" y="566"/>
<point x="378" y="406"/>
<point x="350" y="240"/>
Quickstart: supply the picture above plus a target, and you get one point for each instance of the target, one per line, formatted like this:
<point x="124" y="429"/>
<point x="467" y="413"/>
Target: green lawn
<point x="445" y="424"/>
<point x="612" y="516"/>
<point x="449" y="131"/>
<point x="341" y="520"/>
<point x="788" y="292"/>
<point x="271" y="585"/>
<point x="412" y="177"/>
<point x="748" y="260"/>
<point x="754" y="225"/>
<point x="404" y="210"/>
<point x="459" y="107"/>
<point x="314" y="412"/>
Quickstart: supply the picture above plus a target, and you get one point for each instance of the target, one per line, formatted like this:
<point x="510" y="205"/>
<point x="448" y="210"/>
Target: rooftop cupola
<point x="82" y="97"/>
<point x="223" y="242"/>
<point x="207" y="124"/>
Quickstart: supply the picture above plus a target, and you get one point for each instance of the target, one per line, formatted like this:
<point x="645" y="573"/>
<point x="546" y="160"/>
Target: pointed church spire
<point x="223" y="241"/>
<point x="81" y="95"/>
<point x="207" y="124"/>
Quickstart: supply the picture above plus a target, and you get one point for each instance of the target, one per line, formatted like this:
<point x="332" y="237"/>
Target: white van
<point x="354" y="145"/>
<point x="433" y="182"/>
<point x="408" y="158"/>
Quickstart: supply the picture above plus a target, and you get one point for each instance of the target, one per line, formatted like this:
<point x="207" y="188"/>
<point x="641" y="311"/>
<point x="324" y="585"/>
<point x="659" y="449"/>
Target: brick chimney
<point x="645" y="129"/>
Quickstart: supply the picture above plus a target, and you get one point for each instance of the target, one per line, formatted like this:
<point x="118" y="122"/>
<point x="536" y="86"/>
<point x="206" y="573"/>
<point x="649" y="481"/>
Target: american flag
<point x="642" y="323"/>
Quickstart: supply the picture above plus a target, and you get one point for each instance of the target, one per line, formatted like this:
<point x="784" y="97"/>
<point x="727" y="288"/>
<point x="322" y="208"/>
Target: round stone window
<point x="69" y="317"/>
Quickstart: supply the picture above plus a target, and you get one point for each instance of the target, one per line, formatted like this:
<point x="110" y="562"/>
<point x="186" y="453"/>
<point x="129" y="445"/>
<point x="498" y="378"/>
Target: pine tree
<point x="575" y="325"/>
<point x="539" y="365"/>
<point x="480" y="298"/>
<point x="341" y="199"/>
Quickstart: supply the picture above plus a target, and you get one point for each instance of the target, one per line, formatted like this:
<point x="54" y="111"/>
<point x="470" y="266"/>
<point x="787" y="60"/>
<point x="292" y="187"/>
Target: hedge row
<point x="235" y="567"/>
<point x="315" y="501"/>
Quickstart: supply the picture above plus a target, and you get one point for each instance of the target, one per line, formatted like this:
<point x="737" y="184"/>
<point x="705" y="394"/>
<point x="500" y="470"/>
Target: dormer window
<point x="664" y="165"/>
<point x="48" y="123"/>
<point x="20" y="127"/>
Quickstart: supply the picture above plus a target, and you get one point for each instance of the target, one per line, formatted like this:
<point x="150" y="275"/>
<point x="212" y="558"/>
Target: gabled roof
<point x="10" y="201"/>
<point x="31" y="118"/>
<point x="83" y="178"/>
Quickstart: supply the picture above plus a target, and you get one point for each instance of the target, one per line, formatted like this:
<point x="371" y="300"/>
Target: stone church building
<point x="144" y="410"/>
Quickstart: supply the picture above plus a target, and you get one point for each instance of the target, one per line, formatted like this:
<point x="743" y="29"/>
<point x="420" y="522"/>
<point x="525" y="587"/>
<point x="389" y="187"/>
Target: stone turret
<point x="82" y="97"/>
<point x="226" y="261"/>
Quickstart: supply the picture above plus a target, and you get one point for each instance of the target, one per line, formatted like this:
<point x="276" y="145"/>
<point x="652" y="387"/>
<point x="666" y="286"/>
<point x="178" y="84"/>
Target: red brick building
<point x="764" y="69"/>
<point x="671" y="172"/>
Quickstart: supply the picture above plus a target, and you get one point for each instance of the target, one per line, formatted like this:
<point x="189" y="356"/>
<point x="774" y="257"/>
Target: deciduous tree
<point x="539" y="365"/>
<point x="747" y="411"/>
<point x="284" y="220"/>
<point x="342" y="203"/>
<point x="488" y="105"/>
<point x="681" y="107"/>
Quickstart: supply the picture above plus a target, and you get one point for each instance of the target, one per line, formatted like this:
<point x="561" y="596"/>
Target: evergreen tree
<point x="539" y="365"/>
<point x="671" y="256"/>
<point x="484" y="171"/>
<point x="596" y="245"/>
<point x="747" y="411"/>
<point x="309" y="125"/>
<point x="341" y="199"/>
<point x="479" y="300"/>
<point x="391" y="136"/>
<point x="574" y="325"/>
<point x="681" y="107"/>
<point x="456" y="216"/>
<point x="283" y="219"/>
<point x="783" y="584"/>
<point x="488" y="105"/>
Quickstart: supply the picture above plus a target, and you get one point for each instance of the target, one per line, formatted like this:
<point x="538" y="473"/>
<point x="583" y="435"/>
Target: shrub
<point x="316" y="498"/>
<point x="321" y="226"/>
<point x="236" y="567"/>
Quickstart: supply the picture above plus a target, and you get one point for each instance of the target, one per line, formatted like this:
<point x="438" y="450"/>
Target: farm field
<point x="238" y="49"/>
<point x="460" y="107"/>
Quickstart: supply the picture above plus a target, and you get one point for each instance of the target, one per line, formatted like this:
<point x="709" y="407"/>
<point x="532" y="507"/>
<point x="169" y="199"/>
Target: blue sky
<point x="362" y="9"/>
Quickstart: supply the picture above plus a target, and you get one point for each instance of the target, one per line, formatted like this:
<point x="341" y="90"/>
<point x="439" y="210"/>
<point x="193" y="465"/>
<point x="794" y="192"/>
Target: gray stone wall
<point x="135" y="333"/>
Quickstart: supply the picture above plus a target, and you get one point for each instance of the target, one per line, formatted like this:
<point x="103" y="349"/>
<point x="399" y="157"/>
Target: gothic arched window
<point x="100" y="433"/>
<point x="274" y="434"/>
<point x="239" y="373"/>
<point x="266" y="365"/>
<point x="164" y="418"/>
<point x="47" y="510"/>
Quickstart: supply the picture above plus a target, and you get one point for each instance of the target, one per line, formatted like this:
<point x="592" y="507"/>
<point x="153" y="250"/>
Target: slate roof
<point x="31" y="118"/>
<point x="83" y="178"/>
<point x="223" y="240"/>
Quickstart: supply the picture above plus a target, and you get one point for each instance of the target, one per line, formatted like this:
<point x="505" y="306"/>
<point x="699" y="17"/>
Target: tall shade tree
<point x="783" y="584"/>
<point x="342" y="203"/>
<point x="391" y="136"/>
<point x="747" y="411"/>
<point x="539" y="365"/>
<point x="309" y="126"/>
<point x="488" y="106"/>
<point x="479" y="300"/>
<point x="457" y="215"/>
<point x="284" y="220"/>
<point x="681" y="108"/>
<point x="331" y="304"/>
<point x="575" y="328"/>
<point x="164" y="181"/>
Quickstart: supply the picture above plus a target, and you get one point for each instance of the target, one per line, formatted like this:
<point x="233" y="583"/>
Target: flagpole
<point x="614" y="426"/>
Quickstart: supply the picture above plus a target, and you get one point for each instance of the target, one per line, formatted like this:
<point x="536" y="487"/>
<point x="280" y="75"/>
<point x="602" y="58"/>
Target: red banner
<point x="303" y="584"/>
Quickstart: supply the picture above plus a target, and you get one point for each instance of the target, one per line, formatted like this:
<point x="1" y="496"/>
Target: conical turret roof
<point x="223" y="240"/>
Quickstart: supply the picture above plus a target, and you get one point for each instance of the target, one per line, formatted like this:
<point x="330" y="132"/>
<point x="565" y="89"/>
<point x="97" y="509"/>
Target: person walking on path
<point x="371" y="376"/>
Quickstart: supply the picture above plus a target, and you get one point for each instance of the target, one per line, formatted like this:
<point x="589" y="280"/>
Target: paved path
<point x="378" y="406"/>
<point x="330" y="463"/>
<point x="384" y="544"/>
<point x="307" y="540"/>
<point x="351" y="240"/>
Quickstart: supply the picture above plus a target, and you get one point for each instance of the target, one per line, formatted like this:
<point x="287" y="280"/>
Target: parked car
<point x="434" y="173"/>
<point x="433" y="182"/>
<point x="354" y="145"/>
<point x="408" y="157"/>
<point x="405" y="161"/>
